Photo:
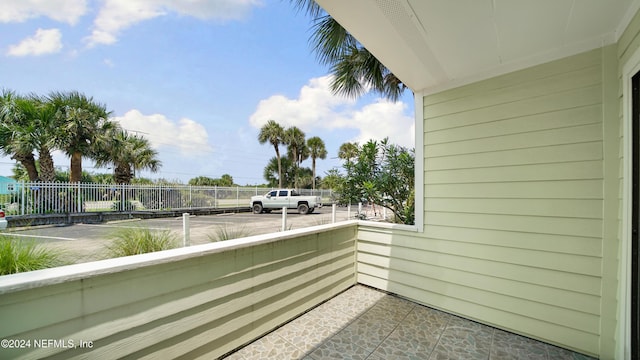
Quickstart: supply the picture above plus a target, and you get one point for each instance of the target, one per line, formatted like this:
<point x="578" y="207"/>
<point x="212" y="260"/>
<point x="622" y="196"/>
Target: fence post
<point x="284" y="218"/>
<point x="186" y="241"/>
<point x="23" y="196"/>
<point x="349" y="211"/>
<point x="190" y="200"/>
<point x="79" y="206"/>
<point x="333" y="213"/>
<point x="237" y="196"/>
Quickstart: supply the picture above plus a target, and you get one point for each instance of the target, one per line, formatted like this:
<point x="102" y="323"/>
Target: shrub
<point x="123" y="205"/>
<point x="134" y="241"/>
<point x="18" y="255"/>
<point x="223" y="232"/>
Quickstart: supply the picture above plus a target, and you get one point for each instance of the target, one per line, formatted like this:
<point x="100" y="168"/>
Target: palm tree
<point x="271" y="171"/>
<point x="273" y="133"/>
<point x="355" y="70"/>
<point x="127" y="153"/>
<point x="297" y="150"/>
<point x="294" y="138"/>
<point x="317" y="150"/>
<point x="39" y="131"/>
<point x="348" y="151"/>
<point x="15" y="141"/>
<point x="82" y="121"/>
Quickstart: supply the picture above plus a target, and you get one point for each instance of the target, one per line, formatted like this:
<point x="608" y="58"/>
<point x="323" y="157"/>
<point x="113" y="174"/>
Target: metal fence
<point x="48" y="198"/>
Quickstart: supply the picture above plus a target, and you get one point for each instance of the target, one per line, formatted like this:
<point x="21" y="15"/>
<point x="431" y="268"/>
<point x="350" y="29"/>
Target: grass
<point x="134" y="241"/>
<point x="224" y="232"/>
<point x="17" y="255"/>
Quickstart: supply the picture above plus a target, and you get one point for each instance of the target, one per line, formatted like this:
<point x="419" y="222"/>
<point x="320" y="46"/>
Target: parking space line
<point x="124" y="227"/>
<point x="43" y="237"/>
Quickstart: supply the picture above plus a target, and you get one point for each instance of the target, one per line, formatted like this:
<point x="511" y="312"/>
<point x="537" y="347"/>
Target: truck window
<point x="283" y="193"/>
<point x="294" y="193"/>
<point x="273" y="193"/>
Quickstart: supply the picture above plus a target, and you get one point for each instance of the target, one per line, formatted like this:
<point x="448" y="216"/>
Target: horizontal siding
<point x="513" y="206"/>
<point x="572" y="170"/>
<point x="518" y="157"/>
<point x="201" y="306"/>
<point x="538" y="122"/>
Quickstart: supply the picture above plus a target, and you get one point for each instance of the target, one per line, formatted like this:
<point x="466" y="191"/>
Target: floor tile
<point x="509" y="346"/>
<point x="410" y="341"/>
<point x="557" y="353"/>
<point x="364" y="323"/>
<point x="463" y="339"/>
<point x="339" y="348"/>
<point x="270" y="346"/>
<point x="365" y="334"/>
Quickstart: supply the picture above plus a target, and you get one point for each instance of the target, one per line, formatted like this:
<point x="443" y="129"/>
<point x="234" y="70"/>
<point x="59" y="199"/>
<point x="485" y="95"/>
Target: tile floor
<point x="364" y="323"/>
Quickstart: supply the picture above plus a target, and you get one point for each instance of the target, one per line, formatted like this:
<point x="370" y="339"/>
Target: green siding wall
<point x="199" y="305"/>
<point x="514" y="195"/>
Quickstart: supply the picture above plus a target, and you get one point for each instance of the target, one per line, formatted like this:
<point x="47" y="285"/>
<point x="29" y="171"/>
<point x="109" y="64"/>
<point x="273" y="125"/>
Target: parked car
<point x="3" y="220"/>
<point x="277" y="199"/>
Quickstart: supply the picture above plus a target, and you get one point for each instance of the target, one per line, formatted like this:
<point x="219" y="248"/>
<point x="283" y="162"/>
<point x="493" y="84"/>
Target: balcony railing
<point x="198" y="301"/>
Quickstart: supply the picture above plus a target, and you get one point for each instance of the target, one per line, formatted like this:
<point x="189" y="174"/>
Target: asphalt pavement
<point x="86" y="242"/>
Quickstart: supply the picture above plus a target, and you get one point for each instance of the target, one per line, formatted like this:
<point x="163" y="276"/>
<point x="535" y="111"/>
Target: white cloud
<point x="68" y="11"/>
<point x="384" y="119"/>
<point x="317" y="107"/>
<point x="118" y="15"/>
<point x="186" y="135"/>
<point x="43" y="42"/>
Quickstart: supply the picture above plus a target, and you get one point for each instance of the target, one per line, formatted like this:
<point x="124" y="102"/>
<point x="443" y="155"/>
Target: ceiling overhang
<point x="436" y="44"/>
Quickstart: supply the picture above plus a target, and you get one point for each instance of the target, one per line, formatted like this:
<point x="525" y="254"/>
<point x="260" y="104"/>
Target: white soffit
<point x="436" y="44"/>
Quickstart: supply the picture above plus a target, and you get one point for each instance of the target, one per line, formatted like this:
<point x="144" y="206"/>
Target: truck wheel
<point x="257" y="208"/>
<point x="303" y="208"/>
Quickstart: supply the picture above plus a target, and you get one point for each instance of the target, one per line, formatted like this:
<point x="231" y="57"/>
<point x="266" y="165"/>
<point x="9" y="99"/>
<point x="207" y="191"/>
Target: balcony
<point x="365" y="323"/>
<point x="296" y="292"/>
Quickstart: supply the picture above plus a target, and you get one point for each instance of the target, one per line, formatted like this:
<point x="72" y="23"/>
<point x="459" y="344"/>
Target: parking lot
<point x="86" y="242"/>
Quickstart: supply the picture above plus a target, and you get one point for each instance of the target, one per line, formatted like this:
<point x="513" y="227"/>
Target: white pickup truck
<point x="277" y="199"/>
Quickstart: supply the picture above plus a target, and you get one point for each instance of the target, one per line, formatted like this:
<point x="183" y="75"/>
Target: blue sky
<point x="196" y="77"/>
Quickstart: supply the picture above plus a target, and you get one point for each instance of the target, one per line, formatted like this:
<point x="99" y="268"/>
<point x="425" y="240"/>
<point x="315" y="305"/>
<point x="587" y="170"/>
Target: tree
<point x="382" y="173"/>
<point x="127" y="153"/>
<point x="202" y="181"/>
<point x="38" y="131"/>
<point x="294" y="138"/>
<point x="297" y="152"/>
<point x="226" y="180"/>
<point x="317" y="150"/>
<point x="332" y="179"/>
<point x="274" y="167"/>
<point x="14" y="141"/>
<point x="83" y="122"/>
<point x="348" y="151"/>
<point x="355" y="70"/>
<point x="273" y="133"/>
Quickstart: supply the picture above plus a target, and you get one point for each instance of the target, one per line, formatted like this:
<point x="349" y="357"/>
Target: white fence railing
<point x="45" y="198"/>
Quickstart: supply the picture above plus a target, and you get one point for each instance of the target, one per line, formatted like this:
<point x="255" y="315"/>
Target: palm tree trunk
<point x="313" y="168"/>
<point x="279" y="167"/>
<point x="47" y="169"/>
<point x="29" y="163"/>
<point x="122" y="174"/>
<point x="75" y="171"/>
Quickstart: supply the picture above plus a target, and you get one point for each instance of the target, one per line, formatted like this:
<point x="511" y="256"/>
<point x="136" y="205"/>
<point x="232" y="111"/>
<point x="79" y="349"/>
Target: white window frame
<point x="623" y="351"/>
